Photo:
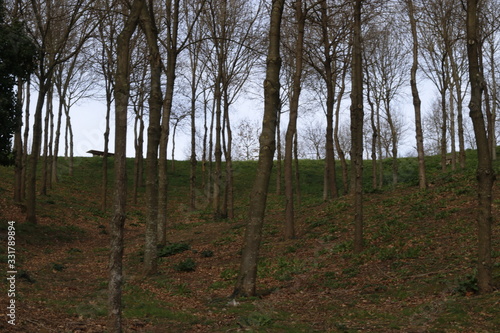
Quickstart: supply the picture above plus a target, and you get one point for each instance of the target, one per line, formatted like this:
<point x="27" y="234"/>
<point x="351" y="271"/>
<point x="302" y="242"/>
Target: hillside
<point x="415" y="274"/>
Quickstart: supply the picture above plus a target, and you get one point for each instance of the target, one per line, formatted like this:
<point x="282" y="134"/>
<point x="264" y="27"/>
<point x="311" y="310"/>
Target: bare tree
<point x="53" y="26"/>
<point x="300" y="11"/>
<point x="246" y="281"/>
<point x="357" y="126"/>
<point x="106" y="60"/>
<point x="314" y="137"/>
<point x="387" y="75"/>
<point x="422" y="180"/>
<point x="485" y="172"/>
<point x="234" y="35"/>
<point x="122" y="92"/>
<point x="246" y="144"/>
<point x="148" y="25"/>
<point x="441" y="31"/>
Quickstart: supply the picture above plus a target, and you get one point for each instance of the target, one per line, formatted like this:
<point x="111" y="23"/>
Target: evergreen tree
<point x="17" y="60"/>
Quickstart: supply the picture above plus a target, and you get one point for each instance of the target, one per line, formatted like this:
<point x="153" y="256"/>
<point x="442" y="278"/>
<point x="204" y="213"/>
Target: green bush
<point x="172" y="249"/>
<point x="188" y="265"/>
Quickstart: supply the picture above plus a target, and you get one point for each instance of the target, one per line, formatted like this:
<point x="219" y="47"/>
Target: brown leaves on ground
<point x="412" y="276"/>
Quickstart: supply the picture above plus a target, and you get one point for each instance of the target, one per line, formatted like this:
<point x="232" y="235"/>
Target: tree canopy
<point x="17" y="61"/>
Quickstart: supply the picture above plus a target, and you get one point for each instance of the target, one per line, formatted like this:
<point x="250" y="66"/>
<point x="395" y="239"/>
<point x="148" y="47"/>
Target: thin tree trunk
<point x="444" y="115"/>
<point x="330" y="100"/>
<point x="71" y="143"/>
<point x="193" y="162"/>
<point x="279" y="157"/>
<point x="357" y="127"/>
<point x="485" y="172"/>
<point x="340" y="151"/>
<point x="170" y="71"/>
<point x="292" y="123"/>
<point x="104" y="187"/>
<point x="458" y="91"/>
<point x="452" y="131"/>
<point x="35" y="154"/>
<point x="217" y="176"/>
<point x="246" y="282"/>
<point x="374" y="137"/>
<point x="229" y="192"/>
<point x="155" y="231"/>
<point x="422" y="179"/>
<point x="45" y="165"/>
<point x="18" y="145"/>
<point x="122" y="94"/>
<point x="494" y="102"/>
<point x="25" y="139"/>
<point x="172" y="162"/>
<point x="56" y="142"/>
<point x="298" y="192"/>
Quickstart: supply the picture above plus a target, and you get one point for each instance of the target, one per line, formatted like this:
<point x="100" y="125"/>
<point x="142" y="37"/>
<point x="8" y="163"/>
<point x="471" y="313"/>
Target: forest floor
<point x="415" y="274"/>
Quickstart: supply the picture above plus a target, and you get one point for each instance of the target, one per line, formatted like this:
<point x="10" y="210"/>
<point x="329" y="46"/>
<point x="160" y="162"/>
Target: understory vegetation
<point x="416" y="273"/>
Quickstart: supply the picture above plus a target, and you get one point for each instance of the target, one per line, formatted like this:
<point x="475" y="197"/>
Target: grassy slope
<point x="414" y="276"/>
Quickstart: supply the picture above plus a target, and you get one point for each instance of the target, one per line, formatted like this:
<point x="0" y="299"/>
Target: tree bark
<point x="330" y="176"/>
<point x="422" y="179"/>
<point x="246" y="282"/>
<point x="292" y="122"/>
<point x="18" y="145"/>
<point x="357" y="127"/>
<point x="155" y="108"/>
<point x="45" y="165"/>
<point x="122" y="94"/>
<point x="25" y="139"/>
<point x="444" y="113"/>
<point x="35" y="154"/>
<point x="340" y="151"/>
<point x="485" y="172"/>
<point x="170" y="71"/>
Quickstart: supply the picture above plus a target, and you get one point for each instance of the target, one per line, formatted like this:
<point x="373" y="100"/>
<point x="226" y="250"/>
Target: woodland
<point x="250" y="233"/>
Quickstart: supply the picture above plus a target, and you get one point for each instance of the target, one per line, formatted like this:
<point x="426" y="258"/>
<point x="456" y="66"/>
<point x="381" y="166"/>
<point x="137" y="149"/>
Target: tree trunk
<point x="485" y="172"/>
<point x="394" y="141"/>
<point x="45" y="165"/>
<point x="25" y="139"/>
<point x="452" y="130"/>
<point x="229" y="191"/>
<point x="155" y="106"/>
<point x="422" y="179"/>
<point x="35" y="154"/>
<point x="374" y="136"/>
<point x="495" y="102"/>
<point x="340" y="151"/>
<point x="56" y="142"/>
<point x="18" y="146"/>
<point x="122" y="92"/>
<point x="192" y="160"/>
<point x="279" y="158"/>
<point x="246" y="282"/>
<point x="330" y="100"/>
<point x="444" y="115"/>
<point x="357" y="127"/>
<point x="104" y="188"/>
<point x="217" y="176"/>
<point x="170" y="71"/>
<point x="292" y="122"/>
<point x="298" y="193"/>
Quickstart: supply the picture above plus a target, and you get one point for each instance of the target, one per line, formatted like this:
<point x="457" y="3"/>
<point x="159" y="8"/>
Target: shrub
<point x="173" y="248"/>
<point x="188" y="265"/>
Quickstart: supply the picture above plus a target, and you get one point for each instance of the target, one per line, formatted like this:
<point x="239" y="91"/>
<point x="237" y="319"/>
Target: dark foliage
<point x="17" y="61"/>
